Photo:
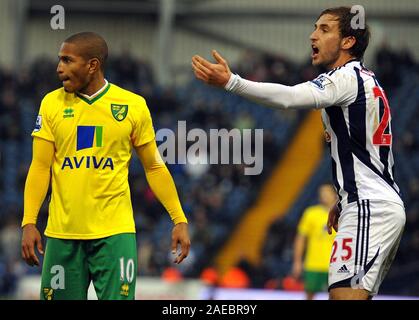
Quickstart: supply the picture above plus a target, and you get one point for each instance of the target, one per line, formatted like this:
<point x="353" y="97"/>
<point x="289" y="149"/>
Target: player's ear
<point x="94" y="65"/>
<point x="348" y="42"/>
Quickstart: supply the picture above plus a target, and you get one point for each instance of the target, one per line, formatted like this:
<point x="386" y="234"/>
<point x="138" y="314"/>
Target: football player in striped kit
<point x="369" y="216"/>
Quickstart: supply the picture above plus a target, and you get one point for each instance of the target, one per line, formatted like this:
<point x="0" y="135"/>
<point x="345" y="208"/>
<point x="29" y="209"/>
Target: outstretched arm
<point x="163" y="186"/>
<point x="320" y="93"/>
<point x="36" y="188"/>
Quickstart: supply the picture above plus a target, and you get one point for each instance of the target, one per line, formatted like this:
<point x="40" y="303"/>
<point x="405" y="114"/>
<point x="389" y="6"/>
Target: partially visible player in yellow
<point x="313" y="243"/>
<point x="83" y="141"/>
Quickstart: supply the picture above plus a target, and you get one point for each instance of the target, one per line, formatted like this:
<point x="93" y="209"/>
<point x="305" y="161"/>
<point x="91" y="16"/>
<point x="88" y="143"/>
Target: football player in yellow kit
<point x="83" y="140"/>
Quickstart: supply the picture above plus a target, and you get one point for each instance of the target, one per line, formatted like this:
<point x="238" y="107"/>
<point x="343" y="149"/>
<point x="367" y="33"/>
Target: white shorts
<point x="366" y="243"/>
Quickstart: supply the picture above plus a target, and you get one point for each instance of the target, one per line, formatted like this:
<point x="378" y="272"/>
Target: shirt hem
<point x="145" y="142"/>
<point x="346" y="203"/>
<point x="75" y="236"/>
<point x="316" y="270"/>
<point x="35" y="134"/>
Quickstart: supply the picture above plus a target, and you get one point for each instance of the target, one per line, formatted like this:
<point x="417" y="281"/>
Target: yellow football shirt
<point x="93" y="145"/>
<point x="313" y="225"/>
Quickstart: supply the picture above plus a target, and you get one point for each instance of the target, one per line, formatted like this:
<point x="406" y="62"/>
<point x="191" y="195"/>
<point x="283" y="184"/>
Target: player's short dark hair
<point x="91" y="45"/>
<point x="362" y="35"/>
<point x="327" y="184"/>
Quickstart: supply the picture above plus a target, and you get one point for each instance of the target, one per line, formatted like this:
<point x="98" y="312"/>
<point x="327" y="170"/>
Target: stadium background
<point x="241" y="227"/>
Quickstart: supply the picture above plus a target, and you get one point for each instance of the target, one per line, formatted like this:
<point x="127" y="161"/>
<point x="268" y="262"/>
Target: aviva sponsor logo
<point x="87" y="162"/>
<point x="88" y="137"/>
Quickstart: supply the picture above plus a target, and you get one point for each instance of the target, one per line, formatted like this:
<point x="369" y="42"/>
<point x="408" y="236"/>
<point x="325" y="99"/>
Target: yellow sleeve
<point x="143" y="128"/>
<point x="37" y="181"/>
<point x="305" y="225"/>
<point x="43" y="125"/>
<point x="161" y="181"/>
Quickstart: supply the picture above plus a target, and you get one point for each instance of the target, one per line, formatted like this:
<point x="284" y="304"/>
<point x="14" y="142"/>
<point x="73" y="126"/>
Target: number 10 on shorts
<point x="126" y="270"/>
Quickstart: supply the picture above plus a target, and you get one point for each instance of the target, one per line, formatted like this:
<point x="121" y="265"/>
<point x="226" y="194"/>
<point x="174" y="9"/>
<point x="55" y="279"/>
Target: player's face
<point x="327" y="195"/>
<point x="325" y="41"/>
<point x="72" y="69"/>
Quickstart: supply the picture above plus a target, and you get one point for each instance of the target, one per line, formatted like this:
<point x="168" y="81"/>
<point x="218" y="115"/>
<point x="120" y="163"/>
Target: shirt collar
<point x="96" y="93"/>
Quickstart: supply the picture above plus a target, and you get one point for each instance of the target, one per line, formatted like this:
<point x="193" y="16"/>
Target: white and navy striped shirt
<point x="359" y="125"/>
<point x="357" y="119"/>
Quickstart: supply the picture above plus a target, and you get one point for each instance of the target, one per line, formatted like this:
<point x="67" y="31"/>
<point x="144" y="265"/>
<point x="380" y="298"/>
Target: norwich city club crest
<point x="119" y="111"/>
<point x="124" y="290"/>
<point x="48" y="293"/>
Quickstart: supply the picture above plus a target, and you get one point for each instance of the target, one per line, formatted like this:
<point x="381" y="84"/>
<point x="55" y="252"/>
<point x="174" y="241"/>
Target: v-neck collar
<point x="96" y="96"/>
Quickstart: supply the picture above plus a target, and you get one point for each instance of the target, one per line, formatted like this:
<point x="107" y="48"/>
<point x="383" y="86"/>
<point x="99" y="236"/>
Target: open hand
<point x="216" y="74"/>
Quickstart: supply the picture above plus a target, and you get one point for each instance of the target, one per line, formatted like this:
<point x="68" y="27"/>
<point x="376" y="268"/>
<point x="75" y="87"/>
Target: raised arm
<point x="322" y="92"/>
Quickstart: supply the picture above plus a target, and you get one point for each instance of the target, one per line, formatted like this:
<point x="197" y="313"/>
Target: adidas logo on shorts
<point x="343" y="269"/>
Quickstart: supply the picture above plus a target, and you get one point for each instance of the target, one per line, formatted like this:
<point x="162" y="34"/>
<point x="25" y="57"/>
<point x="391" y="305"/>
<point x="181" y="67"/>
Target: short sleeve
<point x="43" y="128"/>
<point x="338" y="88"/>
<point x="143" y="131"/>
<point x="304" y="226"/>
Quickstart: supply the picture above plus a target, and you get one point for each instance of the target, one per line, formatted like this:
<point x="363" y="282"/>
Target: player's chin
<point x="69" y="88"/>
<point x="316" y="61"/>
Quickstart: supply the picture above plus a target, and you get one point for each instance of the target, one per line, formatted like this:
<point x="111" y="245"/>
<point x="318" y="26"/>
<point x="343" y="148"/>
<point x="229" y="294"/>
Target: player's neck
<point x="343" y="59"/>
<point x="94" y="86"/>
